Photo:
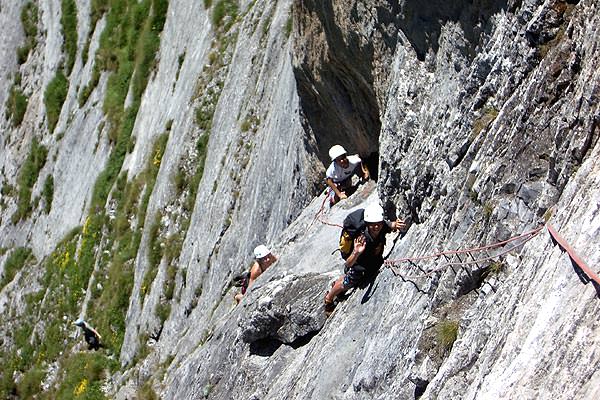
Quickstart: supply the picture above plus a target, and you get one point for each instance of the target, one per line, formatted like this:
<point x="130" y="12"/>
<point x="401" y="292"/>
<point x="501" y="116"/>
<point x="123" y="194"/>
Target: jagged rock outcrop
<point x="479" y="119"/>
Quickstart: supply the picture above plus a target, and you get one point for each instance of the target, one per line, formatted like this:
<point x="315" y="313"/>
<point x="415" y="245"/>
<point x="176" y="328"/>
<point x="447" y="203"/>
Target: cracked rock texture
<point x="480" y="121"/>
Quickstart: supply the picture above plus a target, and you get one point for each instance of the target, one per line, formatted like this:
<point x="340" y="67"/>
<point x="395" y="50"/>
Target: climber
<point x="361" y="244"/>
<point x="263" y="259"/>
<point x="339" y="174"/>
<point x="92" y="337"/>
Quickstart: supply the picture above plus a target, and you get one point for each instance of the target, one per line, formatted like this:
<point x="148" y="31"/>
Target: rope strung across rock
<point x="582" y="270"/>
<point x="585" y="273"/>
<point x="319" y="215"/>
<point x="525" y="237"/>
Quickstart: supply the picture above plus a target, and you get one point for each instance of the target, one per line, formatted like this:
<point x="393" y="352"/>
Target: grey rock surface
<point x="479" y="121"/>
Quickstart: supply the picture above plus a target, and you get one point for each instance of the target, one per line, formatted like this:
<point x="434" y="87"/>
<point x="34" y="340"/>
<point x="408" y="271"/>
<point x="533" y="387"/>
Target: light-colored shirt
<point x="338" y="174"/>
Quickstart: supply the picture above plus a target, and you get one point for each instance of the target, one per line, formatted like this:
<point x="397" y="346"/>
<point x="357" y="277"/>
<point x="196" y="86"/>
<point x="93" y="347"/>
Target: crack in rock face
<point x="287" y="310"/>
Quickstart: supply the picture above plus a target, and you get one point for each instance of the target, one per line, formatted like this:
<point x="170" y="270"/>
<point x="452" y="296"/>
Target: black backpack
<point x="354" y="224"/>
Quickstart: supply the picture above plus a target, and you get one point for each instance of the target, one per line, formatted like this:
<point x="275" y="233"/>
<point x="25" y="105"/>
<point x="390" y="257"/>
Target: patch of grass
<point x="31" y="383"/>
<point x="289" y="25"/>
<point x="548" y="214"/>
<point x="223" y="9"/>
<point x="446" y="334"/>
<point x="84" y="375"/>
<point x="27" y="178"/>
<point x="201" y="149"/>
<point x="154" y="254"/>
<point x="180" y="61"/>
<point x="54" y="97"/>
<point x="496" y="267"/>
<point x="48" y="193"/>
<point x="162" y="311"/>
<point x="29" y="20"/>
<point x="246" y="124"/>
<point x="14" y="263"/>
<point x="173" y="246"/>
<point x="87" y="90"/>
<point x="16" y="105"/>
<point x="68" y="21"/>
<point x="488" y="209"/>
<point x="488" y="116"/>
<point x="146" y="392"/>
<point x="169" y="284"/>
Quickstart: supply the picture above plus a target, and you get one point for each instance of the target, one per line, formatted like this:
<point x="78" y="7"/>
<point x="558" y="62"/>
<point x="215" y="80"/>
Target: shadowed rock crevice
<point x="336" y="76"/>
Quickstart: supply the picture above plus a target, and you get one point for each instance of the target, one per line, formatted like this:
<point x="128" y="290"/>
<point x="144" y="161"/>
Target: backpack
<point x="354" y="224"/>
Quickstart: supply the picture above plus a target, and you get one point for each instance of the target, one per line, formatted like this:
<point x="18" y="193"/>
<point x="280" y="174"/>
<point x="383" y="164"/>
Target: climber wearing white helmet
<point x="361" y="245"/>
<point x="92" y="337"/>
<point x="263" y="259"/>
<point x="339" y="174"/>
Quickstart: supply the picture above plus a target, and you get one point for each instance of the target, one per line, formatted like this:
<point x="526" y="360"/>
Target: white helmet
<point x="261" y="251"/>
<point x="374" y="213"/>
<point x="336" y="151"/>
<point x="79" y="322"/>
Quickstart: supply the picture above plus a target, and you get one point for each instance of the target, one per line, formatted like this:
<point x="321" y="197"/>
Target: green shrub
<point x="31" y="383"/>
<point x="29" y="19"/>
<point x="98" y="8"/>
<point x="48" y="193"/>
<point x="27" y="177"/>
<point x="14" y="263"/>
<point x="54" y="97"/>
<point x="16" y="105"/>
<point x="495" y="268"/>
<point x="84" y="376"/>
<point x="68" y="20"/>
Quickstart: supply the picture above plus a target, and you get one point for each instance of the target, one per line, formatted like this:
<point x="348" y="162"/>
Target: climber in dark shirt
<point x="363" y="251"/>
<point x="92" y="337"/>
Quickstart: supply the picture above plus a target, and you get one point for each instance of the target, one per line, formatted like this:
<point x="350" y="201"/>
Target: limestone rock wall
<point x="479" y="119"/>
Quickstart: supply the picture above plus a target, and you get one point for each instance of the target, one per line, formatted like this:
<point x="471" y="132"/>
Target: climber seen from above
<point x="361" y="244"/>
<point x="263" y="259"/>
<point x="92" y="337"/>
<point x="339" y="174"/>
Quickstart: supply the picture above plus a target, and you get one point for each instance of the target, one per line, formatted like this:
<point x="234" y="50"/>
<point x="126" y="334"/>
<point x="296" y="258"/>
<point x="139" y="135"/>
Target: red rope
<point x="529" y="235"/>
<point x="477" y="261"/>
<point x="319" y="214"/>
<point x="564" y="245"/>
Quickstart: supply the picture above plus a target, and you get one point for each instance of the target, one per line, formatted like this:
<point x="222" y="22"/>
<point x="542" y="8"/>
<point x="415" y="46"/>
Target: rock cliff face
<point x="140" y="169"/>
